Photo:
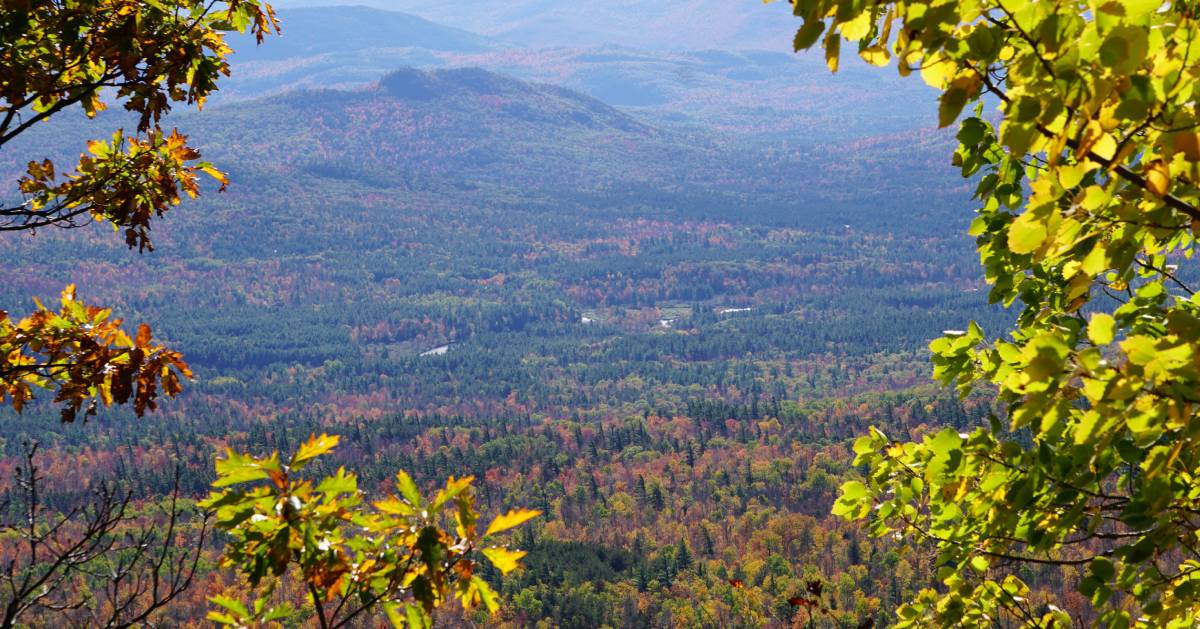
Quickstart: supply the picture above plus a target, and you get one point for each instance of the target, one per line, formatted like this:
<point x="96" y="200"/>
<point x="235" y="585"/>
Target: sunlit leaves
<point x="513" y="518"/>
<point x="851" y="501"/>
<point x="84" y="355"/>
<point x="1100" y="329"/>
<point x="408" y="489"/>
<point x="398" y="556"/>
<point x="234" y="468"/>
<point x="1086" y="179"/>
<point x="1026" y="234"/>
<point x="311" y="449"/>
<point x="125" y="181"/>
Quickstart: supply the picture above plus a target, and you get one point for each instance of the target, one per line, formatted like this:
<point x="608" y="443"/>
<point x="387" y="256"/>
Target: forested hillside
<point x="597" y="316"/>
<point x="627" y="276"/>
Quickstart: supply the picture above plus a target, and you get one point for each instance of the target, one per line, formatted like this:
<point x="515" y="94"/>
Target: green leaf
<point x="808" y="34"/>
<point x="454" y="488"/>
<point x="950" y="105"/>
<point x="1102" y="569"/>
<point x="489" y="597"/>
<point x="408" y="489"/>
<point x="1124" y="49"/>
<point x="854" y="490"/>
<point x="413" y="616"/>
<point x="339" y="483"/>
<point x="416" y="617"/>
<point x="242" y="468"/>
<point x="852" y="502"/>
<point x="1141" y="350"/>
<point x="236" y="607"/>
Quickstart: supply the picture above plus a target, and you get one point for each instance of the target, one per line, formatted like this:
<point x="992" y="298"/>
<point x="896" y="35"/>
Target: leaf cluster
<point x="83" y="353"/>
<point x="147" y="55"/>
<point x="404" y="554"/>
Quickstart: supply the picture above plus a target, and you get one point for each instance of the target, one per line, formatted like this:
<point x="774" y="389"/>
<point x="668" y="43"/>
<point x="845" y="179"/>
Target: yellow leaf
<point x="516" y="517"/>
<point x="484" y="592"/>
<point x="876" y="56"/>
<point x="1158" y="178"/>
<point x="1070" y="175"/>
<point x="1096" y="262"/>
<point x="1106" y="148"/>
<point x="937" y="71"/>
<point x="313" y="448"/>
<point x="215" y="174"/>
<point x="1093" y="198"/>
<point x="856" y="29"/>
<point x="454" y="488"/>
<point x="505" y="560"/>
<point x="395" y="506"/>
<point x="833" y="48"/>
<point x="1026" y="234"/>
<point x="1101" y="328"/>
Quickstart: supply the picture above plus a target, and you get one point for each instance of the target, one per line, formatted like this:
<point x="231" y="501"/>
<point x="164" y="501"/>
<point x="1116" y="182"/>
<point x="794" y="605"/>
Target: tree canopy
<point x="1087" y="181"/>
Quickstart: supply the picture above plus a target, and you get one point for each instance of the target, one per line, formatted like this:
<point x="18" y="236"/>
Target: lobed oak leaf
<point x="513" y="518"/>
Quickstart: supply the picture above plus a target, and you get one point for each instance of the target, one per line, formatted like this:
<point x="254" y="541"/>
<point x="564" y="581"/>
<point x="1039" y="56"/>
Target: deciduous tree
<point x="1087" y="177"/>
<point x="105" y="563"/>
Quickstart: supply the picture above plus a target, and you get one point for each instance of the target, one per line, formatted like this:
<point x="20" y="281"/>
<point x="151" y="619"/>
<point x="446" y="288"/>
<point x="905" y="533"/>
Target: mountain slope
<point x="463" y="125"/>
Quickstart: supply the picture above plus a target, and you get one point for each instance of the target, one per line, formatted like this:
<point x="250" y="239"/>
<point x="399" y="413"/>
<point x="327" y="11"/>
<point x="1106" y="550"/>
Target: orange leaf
<point x="143" y="336"/>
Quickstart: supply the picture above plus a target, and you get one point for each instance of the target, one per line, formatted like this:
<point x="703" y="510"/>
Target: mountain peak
<point x="505" y="96"/>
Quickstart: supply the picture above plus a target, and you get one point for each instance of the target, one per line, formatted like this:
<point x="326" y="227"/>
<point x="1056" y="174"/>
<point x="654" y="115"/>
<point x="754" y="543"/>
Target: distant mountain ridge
<point x="761" y="95"/>
<point x="340" y="47"/>
<point x="316" y="30"/>
<point x="648" y="24"/>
